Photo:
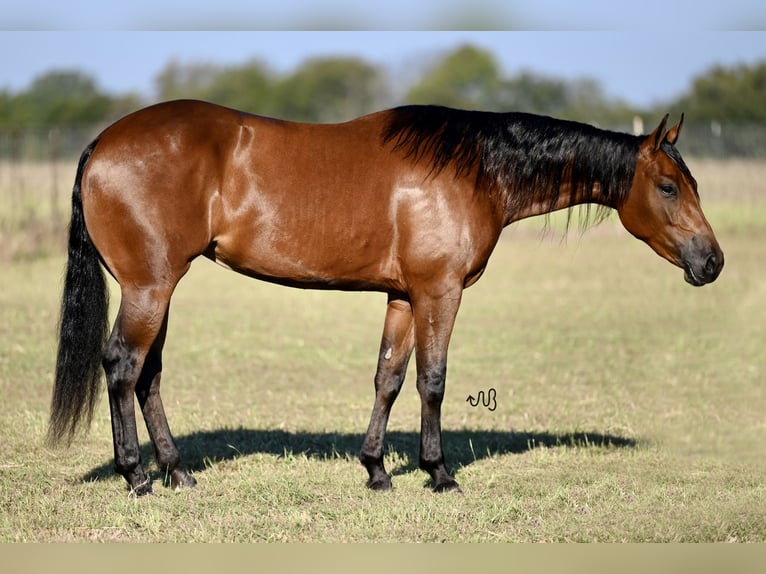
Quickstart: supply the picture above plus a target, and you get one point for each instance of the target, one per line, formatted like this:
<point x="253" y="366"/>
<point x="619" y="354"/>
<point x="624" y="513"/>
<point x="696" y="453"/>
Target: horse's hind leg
<point x="148" y="394"/>
<point x="140" y="319"/>
<point x="395" y="349"/>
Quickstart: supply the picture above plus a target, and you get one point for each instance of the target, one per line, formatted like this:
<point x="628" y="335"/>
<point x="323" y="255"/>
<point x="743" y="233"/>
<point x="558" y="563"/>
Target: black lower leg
<point x="121" y="364"/>
<point x="431" y="388"/>
<point x="372" y="448"/>
<point x="394" y="355"/>
<point x="148" y="393"/>
<point x="165" y="451"/>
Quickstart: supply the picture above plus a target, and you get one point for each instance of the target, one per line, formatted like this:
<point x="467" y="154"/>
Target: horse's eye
<point x="668" y="190"/>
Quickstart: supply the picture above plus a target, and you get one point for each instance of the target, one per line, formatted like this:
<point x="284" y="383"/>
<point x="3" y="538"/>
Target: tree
<point x="330" y="90"/>
<point x="736" y="94"/>
<point x="532" y="93"/>
<point x="247" y="87"/>
<point x="60" y="98"/>
<point x="6" y="112"/>
<point x="587" y="102"/>
<point x="178" y="80"/>
<point x="468" y="77"/>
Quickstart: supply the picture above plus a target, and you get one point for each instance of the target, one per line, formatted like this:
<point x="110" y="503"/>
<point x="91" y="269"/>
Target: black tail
<point x="83" y="327"/>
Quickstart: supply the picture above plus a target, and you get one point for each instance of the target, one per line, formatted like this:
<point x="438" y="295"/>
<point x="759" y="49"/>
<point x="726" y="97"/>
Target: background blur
<point x="71" y="70"/>
<point x="57" y="104"/>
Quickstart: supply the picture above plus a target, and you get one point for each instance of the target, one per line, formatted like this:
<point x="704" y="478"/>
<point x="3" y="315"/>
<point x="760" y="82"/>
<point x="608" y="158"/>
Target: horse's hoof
<point x="142" y="489"/>
<point x="180" y="478"/>
<point x="451" y="486"/>
<point x="380" y="484"/>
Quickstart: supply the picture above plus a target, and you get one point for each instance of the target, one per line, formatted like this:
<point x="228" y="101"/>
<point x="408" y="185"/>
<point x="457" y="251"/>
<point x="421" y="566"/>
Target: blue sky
<point x="639" y="67"/>
<point x="385" y="14"/>
<point x="643" y="52"/>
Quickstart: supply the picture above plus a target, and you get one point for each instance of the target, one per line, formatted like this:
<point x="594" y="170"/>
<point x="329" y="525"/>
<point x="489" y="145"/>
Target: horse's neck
<point x="543" y="202"/>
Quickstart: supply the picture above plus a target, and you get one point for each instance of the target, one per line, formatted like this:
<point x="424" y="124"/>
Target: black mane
<point x="525" y="156"/>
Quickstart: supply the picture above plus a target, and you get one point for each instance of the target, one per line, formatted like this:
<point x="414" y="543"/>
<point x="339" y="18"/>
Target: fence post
<point x="54" y="152"/>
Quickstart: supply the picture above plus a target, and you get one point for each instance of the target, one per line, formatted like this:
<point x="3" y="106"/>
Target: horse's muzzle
<point x="702" y="261"/>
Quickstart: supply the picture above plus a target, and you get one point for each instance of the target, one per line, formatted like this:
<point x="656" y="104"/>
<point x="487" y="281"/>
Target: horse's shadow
<point x="203" y="449"/>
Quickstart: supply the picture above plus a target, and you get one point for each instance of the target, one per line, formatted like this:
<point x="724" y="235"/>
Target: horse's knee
<point x="121" y="365"/>
<point x="431" y="385"/>
<point x="388" y="385"/>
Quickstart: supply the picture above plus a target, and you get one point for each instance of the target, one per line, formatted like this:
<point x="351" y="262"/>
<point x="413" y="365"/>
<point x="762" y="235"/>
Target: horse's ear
<point x="672" y="136"/>
<point x="658" y="134"/>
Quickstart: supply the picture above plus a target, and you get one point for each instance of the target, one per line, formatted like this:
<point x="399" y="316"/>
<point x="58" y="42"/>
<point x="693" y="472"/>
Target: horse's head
<point x="663" y="208"/>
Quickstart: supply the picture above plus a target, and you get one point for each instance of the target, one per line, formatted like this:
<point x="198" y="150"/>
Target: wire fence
<point x="37" y="168"/>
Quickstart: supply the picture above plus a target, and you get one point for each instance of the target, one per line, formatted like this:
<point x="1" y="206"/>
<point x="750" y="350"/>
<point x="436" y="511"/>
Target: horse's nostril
<point x="711" y="265"/>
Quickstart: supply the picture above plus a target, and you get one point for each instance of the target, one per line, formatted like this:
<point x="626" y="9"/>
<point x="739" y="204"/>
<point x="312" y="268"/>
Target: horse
<point x="408" y="201"/>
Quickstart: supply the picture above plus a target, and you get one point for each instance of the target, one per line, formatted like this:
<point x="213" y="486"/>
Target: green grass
<point x="630" y="406"/>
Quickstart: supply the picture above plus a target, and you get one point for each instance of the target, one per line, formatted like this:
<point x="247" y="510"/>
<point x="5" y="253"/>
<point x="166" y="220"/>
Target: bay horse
<point x="409" y="201"/>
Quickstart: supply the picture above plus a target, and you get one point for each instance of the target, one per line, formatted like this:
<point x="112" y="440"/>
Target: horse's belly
<point x="304" y="257"/>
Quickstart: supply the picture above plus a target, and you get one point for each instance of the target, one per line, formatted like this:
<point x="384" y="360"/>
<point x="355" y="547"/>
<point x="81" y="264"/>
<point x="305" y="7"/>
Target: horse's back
<point x="280" y="200"/>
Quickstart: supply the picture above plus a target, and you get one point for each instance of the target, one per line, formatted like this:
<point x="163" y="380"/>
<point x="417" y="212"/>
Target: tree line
<point x="725" y="106"/>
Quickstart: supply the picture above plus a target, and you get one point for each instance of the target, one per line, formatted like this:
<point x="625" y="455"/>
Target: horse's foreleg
<point x="148" y="394"/>
<point x="395" y="350"/>
<point x="434" y="315"/>
<point x="136" y="327"/>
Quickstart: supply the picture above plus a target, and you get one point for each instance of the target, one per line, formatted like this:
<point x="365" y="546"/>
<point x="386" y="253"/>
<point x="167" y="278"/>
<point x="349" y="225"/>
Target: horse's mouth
<point x="691" y="278"/>
<point x="700" y="271"/>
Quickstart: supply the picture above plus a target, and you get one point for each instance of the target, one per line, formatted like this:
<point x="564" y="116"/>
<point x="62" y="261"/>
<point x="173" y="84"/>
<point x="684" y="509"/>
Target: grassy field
<point x="630" y="406"/>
